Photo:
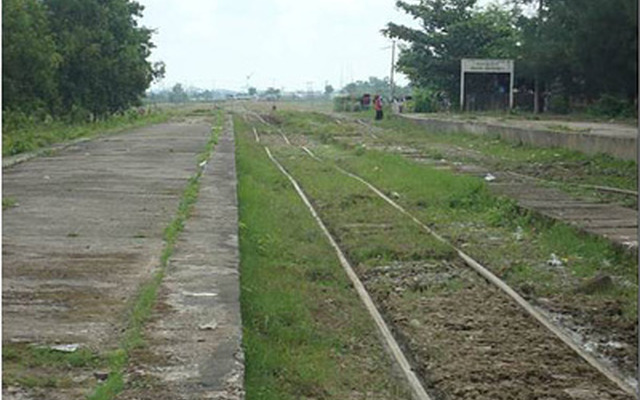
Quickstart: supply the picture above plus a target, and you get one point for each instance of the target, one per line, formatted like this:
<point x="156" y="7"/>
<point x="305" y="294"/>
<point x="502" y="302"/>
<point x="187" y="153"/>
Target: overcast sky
<point x="290" y="44"/>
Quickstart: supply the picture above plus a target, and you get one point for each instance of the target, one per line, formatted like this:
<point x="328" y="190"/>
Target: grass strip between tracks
<point x="550" y="263"/>
<point x="306" y="334"/>
<point x="539" y="257"/>
<point x="147" y="293"/>
<point x="517" y="244"/>
<point x="567" y="169"/>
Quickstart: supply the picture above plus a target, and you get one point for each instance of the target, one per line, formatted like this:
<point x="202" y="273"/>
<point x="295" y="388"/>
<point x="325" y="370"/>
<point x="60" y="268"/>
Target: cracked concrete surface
<point x="195" y="332"/>
<point x="86" y="231"/>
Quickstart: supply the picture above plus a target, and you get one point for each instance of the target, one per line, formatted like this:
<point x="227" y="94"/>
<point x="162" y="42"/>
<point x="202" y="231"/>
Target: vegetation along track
<point x="582" y="282"/>
<point x="453" y="323"/>
<point x="595" y="193"/>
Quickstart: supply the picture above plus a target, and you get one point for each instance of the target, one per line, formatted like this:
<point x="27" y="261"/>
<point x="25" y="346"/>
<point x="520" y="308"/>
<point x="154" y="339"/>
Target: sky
<point x="285" y="44"/>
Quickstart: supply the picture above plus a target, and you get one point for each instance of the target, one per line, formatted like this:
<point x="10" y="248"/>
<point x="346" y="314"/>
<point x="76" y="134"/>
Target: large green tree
<point x="74" y="57"/>
<point x="600" y="40"/>
<point x="29" y="58"/>
<point x="451" y="30"/>
<point x="104" y="53"/>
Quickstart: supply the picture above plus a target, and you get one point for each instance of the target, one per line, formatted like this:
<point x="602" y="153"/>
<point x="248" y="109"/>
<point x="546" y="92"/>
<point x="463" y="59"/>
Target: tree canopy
<point x="65" y="56"/>
<point x="582" y="49"/>
<point x="373" y="86"/>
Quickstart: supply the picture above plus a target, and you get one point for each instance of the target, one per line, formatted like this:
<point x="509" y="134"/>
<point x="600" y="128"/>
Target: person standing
<point x="377" y="105"/>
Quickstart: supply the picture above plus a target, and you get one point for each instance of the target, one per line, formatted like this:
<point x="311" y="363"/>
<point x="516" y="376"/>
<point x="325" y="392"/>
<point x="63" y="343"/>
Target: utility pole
<point x="393" y="62"/>
<point x="536" y="78"/>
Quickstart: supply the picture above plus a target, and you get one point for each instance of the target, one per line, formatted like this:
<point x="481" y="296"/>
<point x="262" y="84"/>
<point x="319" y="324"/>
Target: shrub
<point x="424" y="100"/>
<point x="559" y="104"/>
<point x="341" y="103"/>
<point x="612" y="106"/>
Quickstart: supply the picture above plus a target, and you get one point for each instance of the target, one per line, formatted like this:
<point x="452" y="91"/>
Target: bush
<point x="341" y="103"/>
<point x="612" y="106"/>
<point x="559" y="104"/>
<point x="16" y="120"/>
<point x="424" y="101"/>
<point x="78" y="115"/>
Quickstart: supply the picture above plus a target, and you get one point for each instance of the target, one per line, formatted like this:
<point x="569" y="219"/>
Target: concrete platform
<point x="86" y="231"/>
<point x="616" y="140"/>
<point x="195" y="333"/>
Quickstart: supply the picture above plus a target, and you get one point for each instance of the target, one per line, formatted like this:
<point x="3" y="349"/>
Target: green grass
<point x="516" y="244"/>
<point x="561" y="165"/>
<point x="35" y="137"/>
<point x="305" y="333"/>
<point x="8" y="202"/>
<point x="374" y="233"/>
<point x="462" y="209"/>
<point x="53" y="369"/>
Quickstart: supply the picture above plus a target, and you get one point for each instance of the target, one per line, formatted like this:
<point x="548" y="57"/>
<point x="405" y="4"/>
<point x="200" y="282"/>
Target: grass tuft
<point x="8" y="202"/>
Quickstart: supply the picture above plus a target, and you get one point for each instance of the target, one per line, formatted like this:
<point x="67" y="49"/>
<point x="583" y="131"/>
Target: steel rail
<point x="483" y="271"/>
<point x="392" y="346"/>
<point x="488" y="275"/>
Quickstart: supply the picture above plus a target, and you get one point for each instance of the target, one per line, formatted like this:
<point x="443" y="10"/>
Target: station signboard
<point x="486" y="66"/>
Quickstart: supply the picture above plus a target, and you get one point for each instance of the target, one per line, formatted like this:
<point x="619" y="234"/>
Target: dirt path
<point x="194" y="335"/>
<point x="86" y="230"/>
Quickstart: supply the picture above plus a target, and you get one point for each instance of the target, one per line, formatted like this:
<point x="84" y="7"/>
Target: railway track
<point x="414" y="153"/>
<point x="486" y="321"/>
<point x="558" y="200"/>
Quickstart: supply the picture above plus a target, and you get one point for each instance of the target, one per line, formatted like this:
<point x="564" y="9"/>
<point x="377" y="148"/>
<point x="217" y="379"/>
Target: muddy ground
<point x="86" y="230"/>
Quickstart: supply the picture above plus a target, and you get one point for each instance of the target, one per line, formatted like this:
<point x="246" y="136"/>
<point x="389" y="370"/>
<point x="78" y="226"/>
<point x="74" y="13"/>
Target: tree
<point x="29" y="58"/>
<point x="600" y="39"/>
<point x="159" y="69"/>
<point x="581" y="49"/>
<point x="373" y="86"/>
<point x="178" y="94"/>
<point x="328" y="89"/>
<point x="104" y="52"/>
<point x="252" y="91"/>
<point x="272" y="92"/>
<point x="451" y="30"/>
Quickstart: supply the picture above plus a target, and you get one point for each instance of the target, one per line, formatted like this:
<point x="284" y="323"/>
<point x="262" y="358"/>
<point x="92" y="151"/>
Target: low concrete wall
<point x="620" y="147"/>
